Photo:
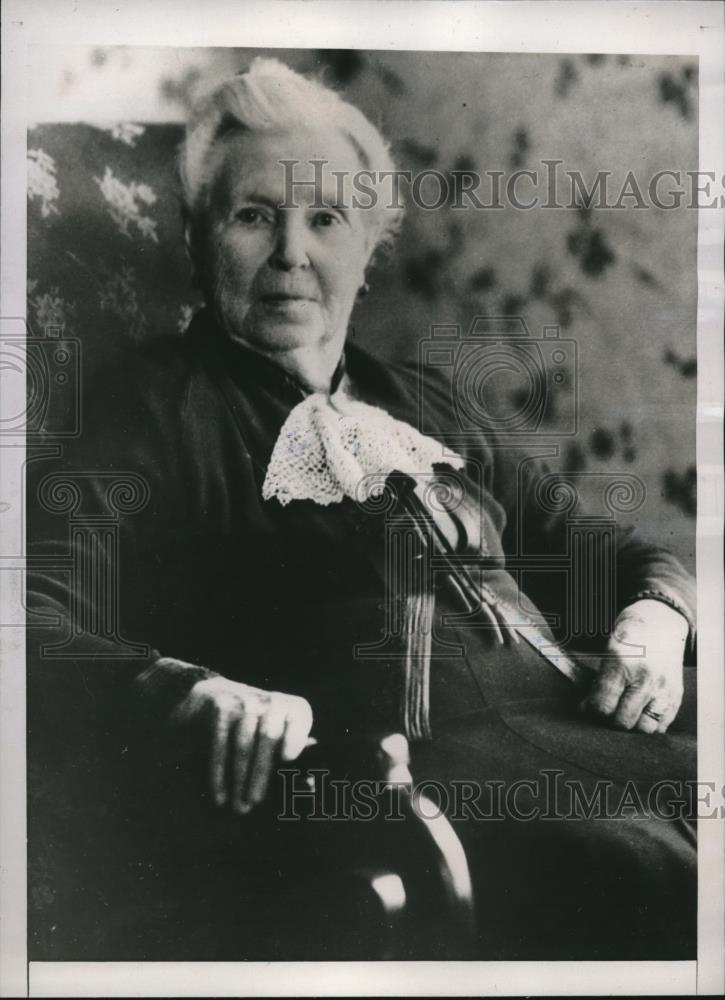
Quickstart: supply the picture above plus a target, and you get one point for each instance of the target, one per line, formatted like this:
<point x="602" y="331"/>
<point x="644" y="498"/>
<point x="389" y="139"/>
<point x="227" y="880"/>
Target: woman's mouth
<point x="287" y="304"/>
<point x="275" y="297"/>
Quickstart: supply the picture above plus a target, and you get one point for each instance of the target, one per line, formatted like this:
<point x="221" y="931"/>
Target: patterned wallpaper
<point x="106" y="261"/>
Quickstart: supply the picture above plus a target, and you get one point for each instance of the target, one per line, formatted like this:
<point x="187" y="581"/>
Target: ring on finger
<point x="650" y="712"/>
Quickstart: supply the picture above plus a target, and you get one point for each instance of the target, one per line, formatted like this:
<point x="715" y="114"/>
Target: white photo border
<point x="694" y="29"/>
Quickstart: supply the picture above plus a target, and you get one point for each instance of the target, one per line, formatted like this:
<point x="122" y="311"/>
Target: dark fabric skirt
<point x="580" y="837"/>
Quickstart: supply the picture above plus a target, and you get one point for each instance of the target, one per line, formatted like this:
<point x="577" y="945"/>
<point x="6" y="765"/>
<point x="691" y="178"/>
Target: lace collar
<point x="334" y="446"/>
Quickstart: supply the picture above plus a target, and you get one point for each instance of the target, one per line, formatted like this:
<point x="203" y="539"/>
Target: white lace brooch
<point x="334" y="446"/>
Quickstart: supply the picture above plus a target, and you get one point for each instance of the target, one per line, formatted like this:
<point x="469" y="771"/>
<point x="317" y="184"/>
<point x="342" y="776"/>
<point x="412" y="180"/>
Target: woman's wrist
<point x="167" y="681"/>
<point x="654" y="615"/>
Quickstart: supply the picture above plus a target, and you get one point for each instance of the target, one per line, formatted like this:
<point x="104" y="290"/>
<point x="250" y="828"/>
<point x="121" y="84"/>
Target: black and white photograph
<point x="361" y="576"/>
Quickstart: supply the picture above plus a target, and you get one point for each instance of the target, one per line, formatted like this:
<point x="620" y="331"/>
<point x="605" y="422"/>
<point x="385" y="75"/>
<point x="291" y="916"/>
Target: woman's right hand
<point x="252" y="731"/>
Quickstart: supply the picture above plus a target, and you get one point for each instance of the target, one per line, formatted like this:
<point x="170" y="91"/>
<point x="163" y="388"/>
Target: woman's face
<point x="284" y="278"/>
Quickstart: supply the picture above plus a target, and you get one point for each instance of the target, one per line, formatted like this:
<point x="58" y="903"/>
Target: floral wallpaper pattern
<point x="124" y="204"/>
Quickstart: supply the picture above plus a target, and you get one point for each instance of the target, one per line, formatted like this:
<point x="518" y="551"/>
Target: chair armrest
<point x="408" y="853"/>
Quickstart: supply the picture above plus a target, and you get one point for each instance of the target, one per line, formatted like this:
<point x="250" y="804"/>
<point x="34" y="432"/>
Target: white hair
<point x="271" y="96"/>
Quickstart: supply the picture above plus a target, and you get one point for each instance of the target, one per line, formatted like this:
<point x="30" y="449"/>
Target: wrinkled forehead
<point x="290" y="167"/>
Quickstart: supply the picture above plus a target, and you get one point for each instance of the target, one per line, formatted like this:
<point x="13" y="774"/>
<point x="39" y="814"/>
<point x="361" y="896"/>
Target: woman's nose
<point x="290" y="249"/>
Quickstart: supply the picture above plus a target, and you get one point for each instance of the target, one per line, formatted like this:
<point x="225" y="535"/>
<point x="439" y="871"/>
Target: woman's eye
<point x="325" y="219"/>
<point x="250" y="216"/>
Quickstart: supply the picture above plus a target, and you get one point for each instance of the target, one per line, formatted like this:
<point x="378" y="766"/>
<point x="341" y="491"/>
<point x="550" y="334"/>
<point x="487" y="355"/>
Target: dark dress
<point x="185" y="560"/>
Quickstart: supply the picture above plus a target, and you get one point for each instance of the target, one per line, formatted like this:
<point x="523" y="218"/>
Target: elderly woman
<point x="261" y="573"/>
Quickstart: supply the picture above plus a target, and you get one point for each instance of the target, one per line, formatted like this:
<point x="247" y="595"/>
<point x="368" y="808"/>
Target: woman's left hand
<point x="641" y="688"/>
